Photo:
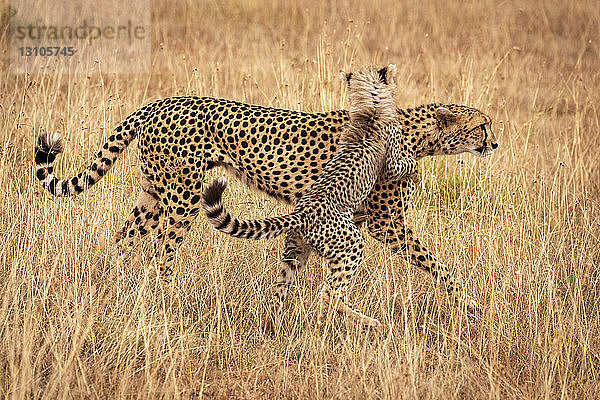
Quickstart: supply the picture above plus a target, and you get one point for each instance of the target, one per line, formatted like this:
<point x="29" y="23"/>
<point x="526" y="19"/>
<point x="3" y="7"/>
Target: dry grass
<point x="521" y="228"/>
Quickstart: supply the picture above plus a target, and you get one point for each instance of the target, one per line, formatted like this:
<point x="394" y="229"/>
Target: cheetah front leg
<point x="399" y="161"/>
<point x="385" y="222"/>
<point x="402" y="168"/>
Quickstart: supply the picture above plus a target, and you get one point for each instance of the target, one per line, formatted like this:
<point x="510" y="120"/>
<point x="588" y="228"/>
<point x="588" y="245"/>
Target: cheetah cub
<point x="369" y="145"/>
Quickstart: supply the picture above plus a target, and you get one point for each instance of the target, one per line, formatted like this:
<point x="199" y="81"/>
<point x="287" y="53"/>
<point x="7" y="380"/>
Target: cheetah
<point x="276" y="151"/>
<point x="323" y="218"/>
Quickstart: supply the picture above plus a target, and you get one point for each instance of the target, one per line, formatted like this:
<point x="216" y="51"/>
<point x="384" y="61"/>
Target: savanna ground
<point x="521" y="228"/>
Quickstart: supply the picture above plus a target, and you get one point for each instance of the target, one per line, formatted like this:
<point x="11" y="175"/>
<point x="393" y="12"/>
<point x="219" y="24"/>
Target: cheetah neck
<point x="421" y="129"/>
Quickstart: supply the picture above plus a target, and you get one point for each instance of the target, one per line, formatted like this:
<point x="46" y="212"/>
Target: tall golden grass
<point x="522" y="228"/>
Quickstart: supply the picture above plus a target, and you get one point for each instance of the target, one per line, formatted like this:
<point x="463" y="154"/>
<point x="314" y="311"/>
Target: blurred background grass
<point x="521" y="228"/>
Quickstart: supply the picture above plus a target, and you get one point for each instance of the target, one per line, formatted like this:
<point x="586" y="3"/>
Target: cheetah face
<point x="488" y="143"/>
<point x="465" y="130"/>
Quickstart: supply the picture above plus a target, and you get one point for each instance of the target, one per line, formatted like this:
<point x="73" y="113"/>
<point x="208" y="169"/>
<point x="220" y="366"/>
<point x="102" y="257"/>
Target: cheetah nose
<point x="494" y="145"/>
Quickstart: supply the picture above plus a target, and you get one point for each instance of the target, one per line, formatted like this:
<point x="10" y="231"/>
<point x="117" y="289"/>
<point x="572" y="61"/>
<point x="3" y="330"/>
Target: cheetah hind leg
<point x="341" y="270"/>
<point x="295" y="257"/>
<point x="179" y="212"/>
<point x="143" y="219"/>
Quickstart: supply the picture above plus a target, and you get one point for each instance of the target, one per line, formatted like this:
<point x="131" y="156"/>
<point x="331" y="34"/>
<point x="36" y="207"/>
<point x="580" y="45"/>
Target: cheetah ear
<point x="346" y="77"/>
<point x="388" y="74"/>
<point x="445" y="116"/>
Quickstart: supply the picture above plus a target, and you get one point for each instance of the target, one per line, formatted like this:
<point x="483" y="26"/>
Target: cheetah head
<point x="465" y="129"/>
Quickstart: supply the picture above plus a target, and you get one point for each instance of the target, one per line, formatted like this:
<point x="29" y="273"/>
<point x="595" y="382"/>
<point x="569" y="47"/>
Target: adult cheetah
<point x="279" y="152"/>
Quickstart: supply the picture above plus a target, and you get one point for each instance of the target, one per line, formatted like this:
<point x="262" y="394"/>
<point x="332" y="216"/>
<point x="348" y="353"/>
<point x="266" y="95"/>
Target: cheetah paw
<point x="474" y="309"/>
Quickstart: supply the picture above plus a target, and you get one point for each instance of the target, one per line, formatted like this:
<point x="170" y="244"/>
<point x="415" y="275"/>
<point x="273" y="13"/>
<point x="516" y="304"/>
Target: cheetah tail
<point x="222" y="220"/>
<point x="50" y="145"/>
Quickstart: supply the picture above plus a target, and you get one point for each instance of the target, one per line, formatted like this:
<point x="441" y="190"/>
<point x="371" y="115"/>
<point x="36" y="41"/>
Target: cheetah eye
<point x="477" y="129"/>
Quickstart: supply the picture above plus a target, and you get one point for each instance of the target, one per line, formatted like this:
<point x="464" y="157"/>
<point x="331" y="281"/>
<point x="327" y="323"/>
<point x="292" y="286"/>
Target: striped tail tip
<point x="48" y="147"/>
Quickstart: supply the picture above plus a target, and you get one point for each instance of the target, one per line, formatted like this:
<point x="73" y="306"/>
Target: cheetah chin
<point x="482" y="152"/>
